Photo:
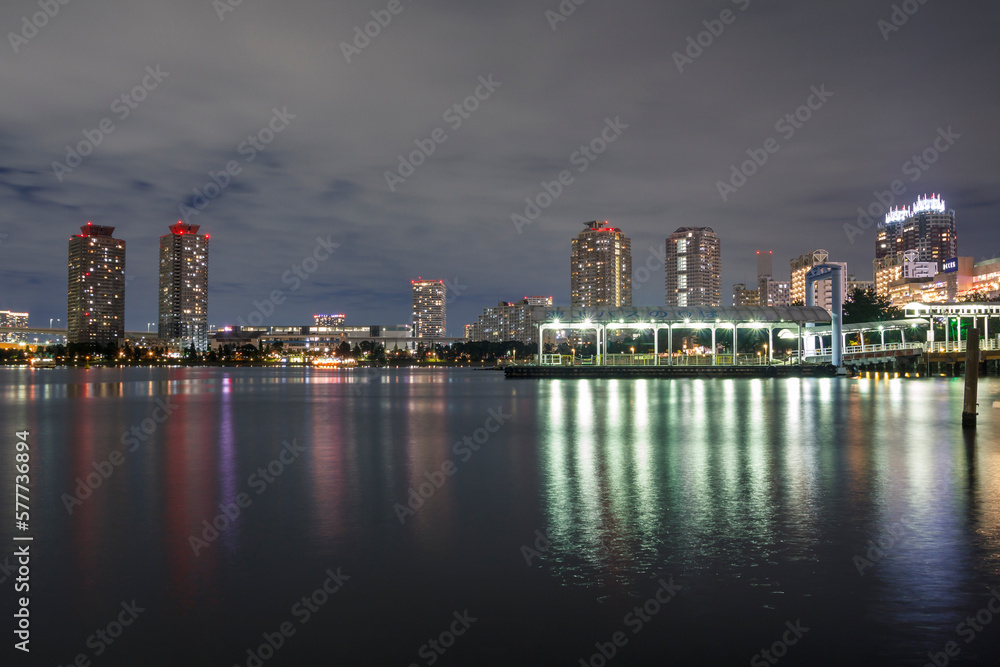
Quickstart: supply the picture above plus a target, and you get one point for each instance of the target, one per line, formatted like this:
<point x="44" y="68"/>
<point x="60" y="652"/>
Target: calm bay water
<point x="856" y="511"/>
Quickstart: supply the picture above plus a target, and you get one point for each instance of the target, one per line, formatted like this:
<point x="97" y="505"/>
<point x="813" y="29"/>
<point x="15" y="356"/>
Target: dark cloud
<point x="324" y="173"/>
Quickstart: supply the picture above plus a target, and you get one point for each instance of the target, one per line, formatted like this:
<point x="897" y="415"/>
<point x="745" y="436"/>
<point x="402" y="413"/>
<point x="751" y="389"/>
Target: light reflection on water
<point x="757" y="494"/>
<point x="717" y="477"/>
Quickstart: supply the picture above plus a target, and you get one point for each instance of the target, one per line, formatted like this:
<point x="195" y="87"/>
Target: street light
<point x="52" y="319"/>
<point x="149" y="324"/>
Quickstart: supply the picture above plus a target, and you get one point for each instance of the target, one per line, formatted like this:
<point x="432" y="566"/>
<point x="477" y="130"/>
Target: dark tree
<point x="864" y="305"/>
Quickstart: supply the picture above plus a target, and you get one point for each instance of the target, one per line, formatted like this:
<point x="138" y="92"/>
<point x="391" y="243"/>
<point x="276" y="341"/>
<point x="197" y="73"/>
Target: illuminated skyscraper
<point x="429" y="318"/>
<point x="95" y="311"/>
<point x="694" y="268"/>
<point x="600" y="267"/>
<point x="184" y="286"/>
<point x="928" y="228"/>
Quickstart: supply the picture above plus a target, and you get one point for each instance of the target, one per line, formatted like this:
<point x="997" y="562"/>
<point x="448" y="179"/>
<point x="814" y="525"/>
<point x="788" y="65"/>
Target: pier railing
<point x="955" y="346"/>
<point x="659" y="360"/>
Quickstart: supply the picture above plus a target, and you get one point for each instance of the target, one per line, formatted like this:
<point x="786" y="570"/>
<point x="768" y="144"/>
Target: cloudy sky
<point x="199" y="78"/>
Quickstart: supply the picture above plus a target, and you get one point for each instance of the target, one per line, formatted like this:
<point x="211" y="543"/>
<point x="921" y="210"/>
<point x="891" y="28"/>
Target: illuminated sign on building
<point x="933" y="203"/>
<point x="897" y="215"/>
<point x="950" y="265"/>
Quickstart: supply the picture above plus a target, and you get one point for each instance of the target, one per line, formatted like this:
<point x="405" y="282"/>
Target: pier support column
<point x="656" y="346"/>
<point x="602" y="332"/>
<point x="670" y="345"/>
<point x="713" y="345"/>
<point x="736" y="360"/>
<point x="798" y="330"/>
<point x="541" y="339"/>
<point x="770" y="346"/>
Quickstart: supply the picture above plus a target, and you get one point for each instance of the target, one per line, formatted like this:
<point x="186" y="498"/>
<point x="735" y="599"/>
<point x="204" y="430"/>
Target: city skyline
<point x="892" y="111"/>
<point x="928" y="211"/>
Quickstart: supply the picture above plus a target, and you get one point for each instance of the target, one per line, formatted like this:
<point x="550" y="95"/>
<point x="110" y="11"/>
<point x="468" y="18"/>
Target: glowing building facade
<point x="927" y="228"/>
<point x="95" y="310"/>
<point x="693" y="268"/>
<point x="183" y="294"/>
<point x="429" y="303"/>
<point x="601" y="267"/>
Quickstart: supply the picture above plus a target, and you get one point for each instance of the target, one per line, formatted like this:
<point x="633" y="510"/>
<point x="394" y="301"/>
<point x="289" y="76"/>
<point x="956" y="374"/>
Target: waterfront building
<point x="693" y="268"/>
<point x="336" y="320"/>
<point x="853" y="283"/>
<point x="769" y="292"/>
<point x="508" y="321"/>
<point x="773" y="293"/>
<point x="823" y="294"/>
<point x="429" y="304"/>
<point x="743" y="296"/>
<point x="12" y="320"/>
<point x="600" y="267"/>
<point x="298" y="338"/>
<point x="985" y="282"/>
<point x="927" y="228"/>
<point x="95" y="311"/>
<point x="183" y="294"/>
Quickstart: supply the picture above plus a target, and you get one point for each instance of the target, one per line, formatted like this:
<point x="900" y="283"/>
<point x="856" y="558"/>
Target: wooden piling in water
<point x="971" y="380"/>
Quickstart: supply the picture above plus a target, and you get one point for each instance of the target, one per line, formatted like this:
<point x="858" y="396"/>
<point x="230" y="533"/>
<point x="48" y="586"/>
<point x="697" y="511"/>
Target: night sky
<point x="210" y="75"/>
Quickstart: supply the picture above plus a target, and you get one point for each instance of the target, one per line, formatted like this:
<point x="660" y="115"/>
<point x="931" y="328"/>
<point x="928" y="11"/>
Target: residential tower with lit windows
<point x="183" y="295"/>
<point x="95" y="311"/>
<point x="429" y="308"/>
<point x="694" y="268"/>
<point x="600" y="267"/>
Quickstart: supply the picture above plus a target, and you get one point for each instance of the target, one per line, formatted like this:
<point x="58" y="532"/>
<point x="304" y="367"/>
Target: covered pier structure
<point x="723" y="323"/>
